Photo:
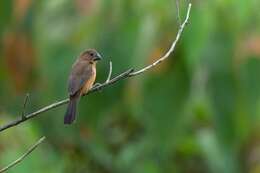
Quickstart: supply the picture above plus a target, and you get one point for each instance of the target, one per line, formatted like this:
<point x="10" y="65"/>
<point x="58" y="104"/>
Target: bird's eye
<point x="91" y="54"/>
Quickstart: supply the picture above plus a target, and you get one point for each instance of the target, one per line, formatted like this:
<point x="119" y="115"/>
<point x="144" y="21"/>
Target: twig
<point x="177" y="3"/>
<point x="24" y="155"/>
<point x="24" y="104"/>
<point x="128" y="73"/>
<point x="110" y="71"/>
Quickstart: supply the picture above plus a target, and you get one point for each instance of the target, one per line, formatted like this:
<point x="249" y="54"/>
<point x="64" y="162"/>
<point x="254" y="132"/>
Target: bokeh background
<point x="197" y="112"/>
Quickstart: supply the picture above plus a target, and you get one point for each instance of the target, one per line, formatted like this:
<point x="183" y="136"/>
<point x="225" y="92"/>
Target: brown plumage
<point x="81" y="79"/>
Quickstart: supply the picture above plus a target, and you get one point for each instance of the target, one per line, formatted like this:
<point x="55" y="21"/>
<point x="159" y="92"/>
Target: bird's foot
<point x="97" y="85"/>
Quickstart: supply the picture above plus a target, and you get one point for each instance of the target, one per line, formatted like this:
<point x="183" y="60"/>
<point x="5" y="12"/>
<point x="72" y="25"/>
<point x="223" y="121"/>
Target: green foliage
<point x="197" y="112"/>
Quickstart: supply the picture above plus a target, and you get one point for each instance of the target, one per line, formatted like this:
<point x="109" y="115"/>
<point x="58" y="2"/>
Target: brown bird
<point x="81" y="79"/>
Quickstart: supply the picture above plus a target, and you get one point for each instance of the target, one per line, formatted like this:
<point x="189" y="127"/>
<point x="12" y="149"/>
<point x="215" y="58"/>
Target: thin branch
<point x="24" y="104"/>
<point x="128" y="73"/>
<point x="110" y="71"/>
<point x="33" y="147"/>
<point x="177" y="3"/>
<point x="62" y="102"/>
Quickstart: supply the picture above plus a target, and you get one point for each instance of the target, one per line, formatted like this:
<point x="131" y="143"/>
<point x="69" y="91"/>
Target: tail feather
<point x="71" y="111"/>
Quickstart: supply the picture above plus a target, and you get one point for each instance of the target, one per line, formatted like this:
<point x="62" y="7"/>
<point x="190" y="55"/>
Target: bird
<point x="81" y="80"/>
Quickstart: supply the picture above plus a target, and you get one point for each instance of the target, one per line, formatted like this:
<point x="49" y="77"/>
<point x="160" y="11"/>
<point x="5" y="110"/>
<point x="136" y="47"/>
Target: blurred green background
<point x="197" y="112"/>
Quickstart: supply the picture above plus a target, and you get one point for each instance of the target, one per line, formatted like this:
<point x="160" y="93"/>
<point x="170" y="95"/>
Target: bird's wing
<point x="81" y="72"/>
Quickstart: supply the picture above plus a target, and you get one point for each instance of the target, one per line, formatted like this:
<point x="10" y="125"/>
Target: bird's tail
<point x="71" y="110"/>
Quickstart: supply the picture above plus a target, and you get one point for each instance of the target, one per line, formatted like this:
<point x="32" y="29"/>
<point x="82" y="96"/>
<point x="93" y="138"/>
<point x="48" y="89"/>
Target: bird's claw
<point x="97" y="85"/>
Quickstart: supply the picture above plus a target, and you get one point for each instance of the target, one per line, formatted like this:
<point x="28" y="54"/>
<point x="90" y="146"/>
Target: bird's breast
<point x="89" y="83"/>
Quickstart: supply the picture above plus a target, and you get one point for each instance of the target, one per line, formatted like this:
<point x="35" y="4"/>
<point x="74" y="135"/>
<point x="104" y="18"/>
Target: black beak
<point x="98" y="57"/>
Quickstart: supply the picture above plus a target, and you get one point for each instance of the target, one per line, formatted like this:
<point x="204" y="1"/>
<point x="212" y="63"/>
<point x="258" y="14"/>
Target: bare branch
<point x="24" y="155"/>
<point x="177" y="3"/>
<point x="24" y="104"/>
<point x="62" y="102"/>
<point x="110" y="71"/>
<point x="128" y="73"/>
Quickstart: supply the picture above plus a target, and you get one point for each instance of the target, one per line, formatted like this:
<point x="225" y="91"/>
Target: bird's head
<point x="90" y="55"/>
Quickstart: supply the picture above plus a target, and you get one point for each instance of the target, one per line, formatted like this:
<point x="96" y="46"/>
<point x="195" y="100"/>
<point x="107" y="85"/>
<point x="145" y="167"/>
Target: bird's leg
<point x="96" y="85"/>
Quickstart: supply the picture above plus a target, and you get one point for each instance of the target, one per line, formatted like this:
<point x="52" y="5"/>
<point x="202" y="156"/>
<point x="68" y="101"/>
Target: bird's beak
<point x="98" y="57"/>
